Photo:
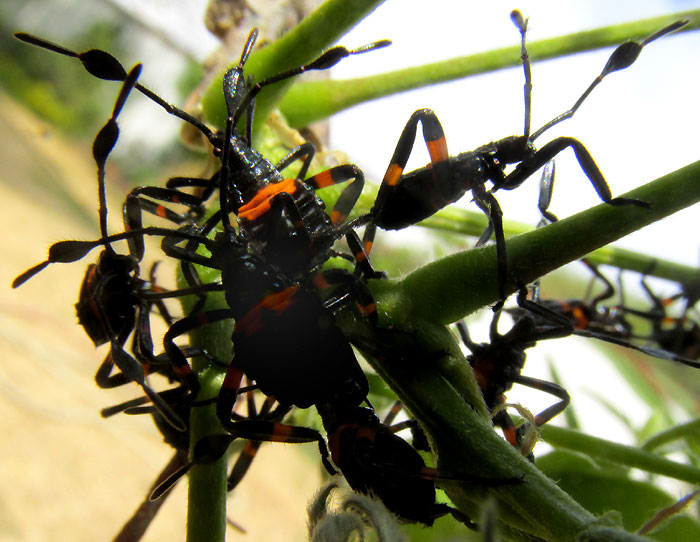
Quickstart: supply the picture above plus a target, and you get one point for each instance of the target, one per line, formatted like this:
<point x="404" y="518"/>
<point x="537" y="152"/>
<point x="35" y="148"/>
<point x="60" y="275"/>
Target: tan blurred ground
<point x="65" y="473"/>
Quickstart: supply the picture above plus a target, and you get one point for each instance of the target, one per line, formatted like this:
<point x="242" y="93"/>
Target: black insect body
<point x="605" y="325"/>
<point x="498" y="364"/>
<point x="376" y="461"/>
<point x="272" y="216"/>
<point x="114" y="301"/>
<point x="283" y="219"/>
<point x="285" y="338"/>
<point x="679" y="335"/>
<point x="303" y="329"/>
<point x="406" y="198"/>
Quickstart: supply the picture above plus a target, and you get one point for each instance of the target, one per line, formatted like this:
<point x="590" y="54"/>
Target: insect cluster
<point x="270" y="239"/>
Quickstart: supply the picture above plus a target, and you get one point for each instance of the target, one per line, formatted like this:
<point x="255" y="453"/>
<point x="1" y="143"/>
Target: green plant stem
<point x="311" y="101"/>
<point x="684" y="430"/>
<point x="532" y="504"/>
<point x="303" y="43"/>
<point x="462" y="437"/>
<point x="448" y="289"/>
<point x="206" y="509"/>
<point x="437" y="294"/>
<point x="473" y="223"/>
<point x="630" y="456"/>
<point x="467" y="281"/>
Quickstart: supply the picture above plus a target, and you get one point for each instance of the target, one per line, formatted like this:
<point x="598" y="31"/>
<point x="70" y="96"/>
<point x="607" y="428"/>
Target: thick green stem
<point x="206" y="510"/>
<point x="473" y="223"/>
<point x="464" y="442"/>
<point x="312" y="101"/>
<point x="206" y="520"/>
<point x="467" y="281"/>
<point x="303" y="43"/>
<point x="447" y="290"/>
<point x="441" y="293"/>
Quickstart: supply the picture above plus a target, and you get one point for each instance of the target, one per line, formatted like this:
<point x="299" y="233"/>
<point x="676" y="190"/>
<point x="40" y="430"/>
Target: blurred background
<point x="67" y="473"/>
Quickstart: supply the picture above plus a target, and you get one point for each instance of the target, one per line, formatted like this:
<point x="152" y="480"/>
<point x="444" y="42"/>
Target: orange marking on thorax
<point x="260" y="203"/>
<point x="278" y="302"/>
<point x="509" y="433"/>
<point x="92" y="275"/>
<point x="366" y="433"/>
<point x="481" y="380"/>
<point x="92" y="282"/>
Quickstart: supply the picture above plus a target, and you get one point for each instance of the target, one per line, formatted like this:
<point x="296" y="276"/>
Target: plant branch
<point x="311" y="101"/>
<point x="681" y="431"/>
<point x="206" y="509"/>
<point x="464" y="442"/>
<point x="630" y="456"/>
<point x="467" y="281"/>
<point x="318" y="31"/>
<point x="461" y="221"/>
<point x="423" y="362"/>
<point x="438" y="294"/>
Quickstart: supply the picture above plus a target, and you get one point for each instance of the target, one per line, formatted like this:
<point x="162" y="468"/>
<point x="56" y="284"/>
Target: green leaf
<point x="601" y="491"/>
